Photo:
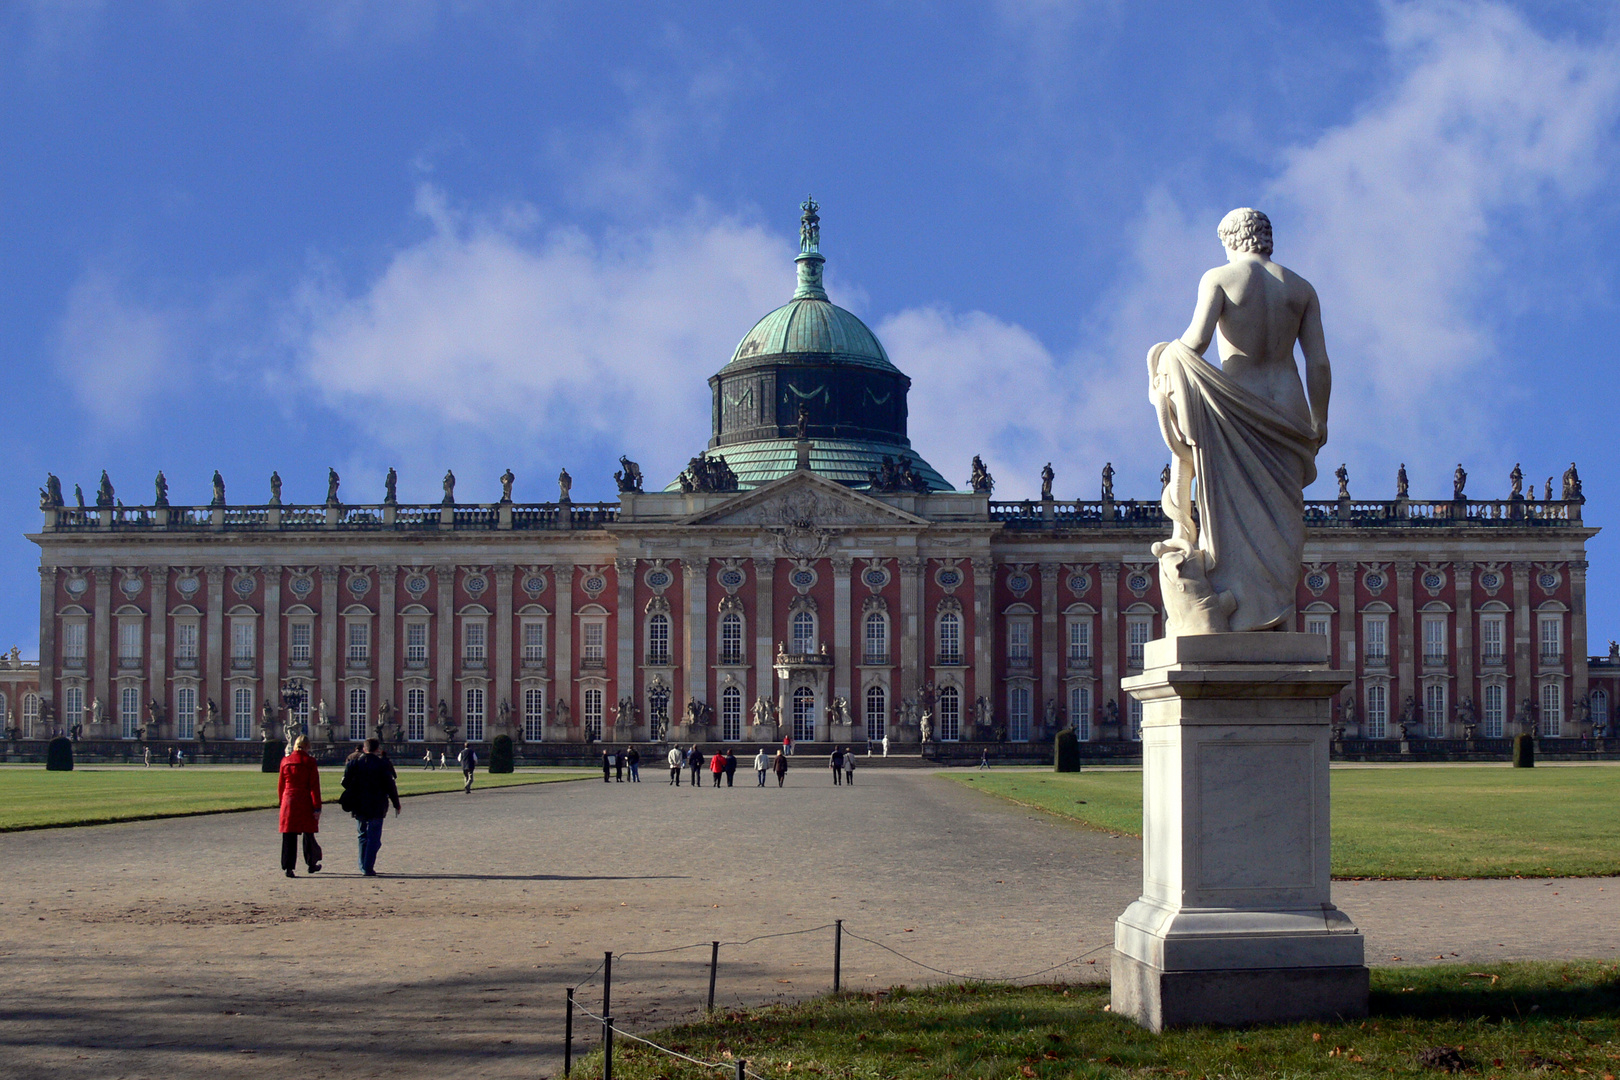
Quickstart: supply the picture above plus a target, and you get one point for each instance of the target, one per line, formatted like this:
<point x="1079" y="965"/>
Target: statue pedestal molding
<point x="1236" y="923"/>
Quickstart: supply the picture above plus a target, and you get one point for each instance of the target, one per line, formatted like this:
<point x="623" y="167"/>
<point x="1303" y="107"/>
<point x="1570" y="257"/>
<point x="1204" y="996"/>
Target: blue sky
<point x="451" y="234"/>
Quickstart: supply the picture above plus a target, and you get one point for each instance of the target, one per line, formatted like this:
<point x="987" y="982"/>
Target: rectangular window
<point x="1138" y="631"/>
<point x="1434" y="640"/>
<point x="1136" y="718"/>
<point x="1080" y="643"/>
<point x="359" y="643"/>
<point x="1552" y="710"/>
<point x="299" y="636"/>
<point x="1377" y="710"/>
<point x="534" y="642"/>
<point x="1018" y="635"/>
<point x="472" y="644"/>
<point x="1018" y="714"/>
<point x="877" y="713"/>
<point x="877" y="639"/>
<point x="185" y="712"/>
<point x="1319" y="624"/>
<point x="594" y="635"/>
<point x="1080" y="712"/>
<point x="416" y="714"/>
<point x="242" y="713"/>
<point x="1495" y="712"/>
<point x="73" y="644"/>
<point x="473" y="720"/>
<point x="242" y="642"/>
<point x="731" y="640"/>
<point x="30" y="717"/>
<point x="950" y="714"/>
<point x="129" y="709"/>
<point x="731" y="714"/>
<point x="416" y="636"/>
<point x="129" y="644"/>
<point x="1491" y="633"/>
<point x="534" y="714"/>
<point x="591" y="701"/>
<point x="1434" y="710"/>
<point x="658" y="639"/>
<point x="1552" y="639"/>
<point x="950" y="638"/>
<point x="1376" y="633"/>
<point x="359" y="713"/>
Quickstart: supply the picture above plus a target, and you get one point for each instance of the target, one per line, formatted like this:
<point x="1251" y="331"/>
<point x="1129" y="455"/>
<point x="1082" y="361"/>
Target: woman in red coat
<point x="299" y="788"/>
<point x="717" y="766"/>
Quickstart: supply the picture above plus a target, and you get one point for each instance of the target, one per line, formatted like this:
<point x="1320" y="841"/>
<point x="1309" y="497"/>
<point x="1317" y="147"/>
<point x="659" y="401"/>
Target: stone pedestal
<point x="1236" y="922"/>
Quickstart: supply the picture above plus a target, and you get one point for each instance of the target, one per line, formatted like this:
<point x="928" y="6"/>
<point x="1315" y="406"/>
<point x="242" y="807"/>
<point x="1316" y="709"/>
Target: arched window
<point x="877" y="713"/>
<point x="804" y="634"/>
<point x="1018" y="710"/>
<point x="534" y="714"/>
<point x="731" y="639"/>
<point x="1080" y="712"/>
<point x="731" y="714"/>
<point x="359" y="706"/>
<point x="804" y="714"/>
<point x="1600" y="708"/>
<point x="1552" y="710"/>
<point x="242" y="712"/>
<point x="950" y="714"/>
<point x="950" y="638"/>
<point x="416" y="714"/>
<point x="877" y="638"/>
<point x="1494" y="713"/>
<point x="658" y="639"/>
<point x="72" y="706"/>
<point x="591" y="701"/>
<point x="472" y="723"/>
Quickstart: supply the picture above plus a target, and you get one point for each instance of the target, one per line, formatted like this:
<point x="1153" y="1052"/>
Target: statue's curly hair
<point x="1246" y="229"/>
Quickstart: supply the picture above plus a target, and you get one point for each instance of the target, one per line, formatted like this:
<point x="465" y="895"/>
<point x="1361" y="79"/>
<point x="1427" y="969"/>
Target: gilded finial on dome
<point x="809" y="226"/>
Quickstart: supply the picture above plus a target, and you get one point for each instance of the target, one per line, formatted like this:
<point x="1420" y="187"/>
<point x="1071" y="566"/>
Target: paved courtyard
<point x="176" y="949"/>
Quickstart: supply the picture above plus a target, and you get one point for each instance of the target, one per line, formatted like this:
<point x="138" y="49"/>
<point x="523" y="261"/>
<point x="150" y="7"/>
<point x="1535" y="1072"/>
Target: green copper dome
<point x="815" y="330"/>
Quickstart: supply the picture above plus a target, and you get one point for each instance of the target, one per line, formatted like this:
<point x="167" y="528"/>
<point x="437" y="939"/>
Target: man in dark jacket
<point x="695" y="761"/>
<point x="368" y="788"/>
<point x="731" y="765"/>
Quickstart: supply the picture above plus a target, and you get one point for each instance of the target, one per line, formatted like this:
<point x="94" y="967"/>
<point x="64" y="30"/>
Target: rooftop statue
<point x="809" y="225"/>
<point x="1572" y="485"/>
<point x="1459" y="481"/>
<point x="1047" y="476"/>
<point x="507" y="479"/>
<point x="1108" y="481"/>
<point x="50" y="496"/>
<point x="980" y="480"/>
<point x="104" y="493"/>
<point x="1247" y="432"/>
<point x="390" y="483"/>
<point x="162" y="486"/>
<point x="275" y="488"/>
<point x="1342" y="474"/>
<point x="565" y="486"/>
<point x="449" y="488"/>
<point x="331" y="487"/>
<point x="219" y="490"/>
<point x="629" y="475"/>
<point x="708" y="474"/>
<point x="1400" y="481"/>
<point x="78" y="495"/>
<point x="1516" y="478"/>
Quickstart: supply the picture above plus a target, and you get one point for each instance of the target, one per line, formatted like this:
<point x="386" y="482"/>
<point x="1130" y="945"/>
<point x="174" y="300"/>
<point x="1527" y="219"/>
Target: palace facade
<point x="807" y="573"/>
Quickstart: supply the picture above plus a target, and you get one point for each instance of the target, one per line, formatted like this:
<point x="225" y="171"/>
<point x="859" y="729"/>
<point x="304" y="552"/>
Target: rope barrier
<point x="664" y="1049"/>
<point x="975" y="978"/>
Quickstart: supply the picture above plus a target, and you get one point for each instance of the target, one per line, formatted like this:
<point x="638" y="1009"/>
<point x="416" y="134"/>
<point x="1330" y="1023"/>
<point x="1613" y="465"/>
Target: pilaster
<point x="444" y="645"/>
<point x="1524" y="685"/>
<point x="841" y="565"/>
<point x="270" y="635"/>
<point x="984" y="632"/>
<point x="214" y="678"/>
<point x="562" y="672"/>
<point x="1577" y="631"/>
<point x="329" y="691"/>
<point x="157" y="638"/>
<point x="764" y="628"/>
<point x="101" y="657"/>
<point x="1349" y="627"/>
<point x="387" y="640"/>
<point x="1463" y="579"/>
<point x="1049" y="641"/>
<point x="47" y="637"/>
<point x="910" y="617"/>
<point x="629" y="622"/>
<point x="503" y="643"/>
<point x="696" y="634"/>
<point x="1108" y="648"/>
<point x="1406" y="631"/>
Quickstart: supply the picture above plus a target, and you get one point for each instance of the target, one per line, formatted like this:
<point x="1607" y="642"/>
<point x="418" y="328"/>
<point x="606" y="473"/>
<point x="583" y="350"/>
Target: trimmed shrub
<point x="59" y="755"/>
<point x="274" y="751"/>
<point x="500" y="754"/>
<point x="1524" y="752"/>
<point x="1066" y="751"/>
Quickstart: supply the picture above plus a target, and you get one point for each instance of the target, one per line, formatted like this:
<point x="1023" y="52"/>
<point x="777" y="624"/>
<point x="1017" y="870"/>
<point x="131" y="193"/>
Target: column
<point x="1463" y="575"/>
<point x="1405" y="627"/>
<point x="47" y="641"/>
<point x="1049" y="640"/>
<point x="562" y="661"/>
<point x="158" y="641"/>
<point x="910" y="614"/>
<point x="387" y="631"/>
<point x="1577" y="632"/>
<point x="503" y="642"/>
<point x="984" y="626"/>
<point x="1524" y="685"/>
<point x="271" y="659"/>
<point x="629" y="622"/>
<point x="444" y="644"/>
<point x="328" y="690"/>
<point x="764" y="627"/>
<point x="696" y="634"/>
<point x="214" y="678"/>
<point x="1349" y="661"/>
<point x="101" y="657"/>
<point x="1108" y="646"/>
<point x="841" y="629"/>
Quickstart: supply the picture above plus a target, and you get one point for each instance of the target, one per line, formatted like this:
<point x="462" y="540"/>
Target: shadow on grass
<point x="1524" y="991"/>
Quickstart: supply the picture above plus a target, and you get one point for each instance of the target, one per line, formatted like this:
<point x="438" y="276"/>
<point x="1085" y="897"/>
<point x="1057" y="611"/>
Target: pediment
<point x="804" y="500"/>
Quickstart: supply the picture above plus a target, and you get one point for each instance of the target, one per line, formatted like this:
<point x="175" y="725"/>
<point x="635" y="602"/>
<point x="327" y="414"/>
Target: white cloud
<point x="114" y="352"/>
<point x="493" y="339"/>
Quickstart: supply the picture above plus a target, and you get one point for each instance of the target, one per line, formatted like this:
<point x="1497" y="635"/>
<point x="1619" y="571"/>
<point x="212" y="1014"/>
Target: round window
<point x="1433" y="580"/>
<point x="187" y="585"/>
<point x="1137" y="583"/>
<point x="417" y="585"/>
<point x="594" y="584"/>
<point x="1375" y="581"/>
<point x="359" y="584"/>
<point x="1017" y="583"/>
<point x="803" y="578"/>
<point x="78" y="586"/>
<point x="1316" y="582"/>
<point x="1079" y="584"/>
<point x="1548" y="580"/>
<point x="301" y="586"/>
<point x="534" y="585"/>
<point x="476" y="584"/>
<point x="729" y="578"/>
<point x="876" y="578"/>
<point x="130" y="586"/>
<point x="660" y="579"/>
<point x="1490" y="580"/>
<point x="951" y="578"/>
<point x="243" y="586"/>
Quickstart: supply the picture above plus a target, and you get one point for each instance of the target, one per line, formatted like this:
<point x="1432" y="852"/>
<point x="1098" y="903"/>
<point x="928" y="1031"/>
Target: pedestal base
<point x="1159" y="999"/>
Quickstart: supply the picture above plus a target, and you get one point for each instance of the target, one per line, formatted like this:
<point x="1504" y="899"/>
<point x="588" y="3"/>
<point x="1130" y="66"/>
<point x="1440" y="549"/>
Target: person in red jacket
<point x="717" y="766"/>
<point x="299" y="788"/>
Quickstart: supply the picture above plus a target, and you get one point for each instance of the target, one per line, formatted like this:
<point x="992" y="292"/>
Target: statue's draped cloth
<point x="1252" y="463"/>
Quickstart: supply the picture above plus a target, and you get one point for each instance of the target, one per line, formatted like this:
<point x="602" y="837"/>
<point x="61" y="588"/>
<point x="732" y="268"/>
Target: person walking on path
<point x="849" y="767"/>
<point x="781" y="768"/>
<point x="885" y="744"/>
<point x="618" y="766"/>
<point x="607" y="767"/>
<point x="837" y="762"/>
<point x="787" y="744"/>
<point x="676" y="760"/>
<point x="469" y="761"/>
<point x="427" y="760"/>
<point x="761" y="766"/>
<point x="147" y="757"/>
<point x="298" y="789"/>
<point x="717" y="766"/>
<point x="632" y="758"/>
<point x="695" y="761"/>
<point x="731" y="765"/>
<point x="368" y="788"/>
<point x="984" y="758"/>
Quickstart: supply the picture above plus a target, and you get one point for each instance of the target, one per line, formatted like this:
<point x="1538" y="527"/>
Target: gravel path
<point x="176" y="949"/>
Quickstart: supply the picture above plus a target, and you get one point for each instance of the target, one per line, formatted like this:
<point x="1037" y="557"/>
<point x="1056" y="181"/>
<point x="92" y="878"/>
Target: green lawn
<point x="1408" y="822"/>
<point x="1507" y="1020"/>
<point x="31" y="798"/>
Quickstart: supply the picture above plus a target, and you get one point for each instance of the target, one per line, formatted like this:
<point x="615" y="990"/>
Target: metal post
<point x="568" y="1035"/>
<point x="714" y="963"/>
<point x="607" y="983"/>
<point x="742" y="1069"/>
<point x="607" y="1046"/>
<point x="838" y="951"/>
